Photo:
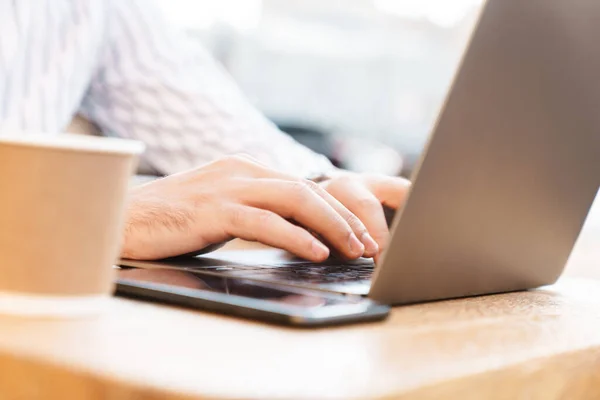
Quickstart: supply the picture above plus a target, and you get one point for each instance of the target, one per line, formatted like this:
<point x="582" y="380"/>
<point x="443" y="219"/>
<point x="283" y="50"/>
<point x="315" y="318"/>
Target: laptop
<point x="505" y="182"/>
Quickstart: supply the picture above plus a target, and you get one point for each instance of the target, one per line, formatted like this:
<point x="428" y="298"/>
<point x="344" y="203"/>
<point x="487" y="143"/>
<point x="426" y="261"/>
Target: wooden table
<point x="542" y="344"/>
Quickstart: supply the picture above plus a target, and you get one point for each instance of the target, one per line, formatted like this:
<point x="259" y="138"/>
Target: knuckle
<point x="300" y="190"/>
<point x="312" y="185"/>
<point x="236" y="160"/>
<point x="344" y="179"/>
<point x="264" y="218"/>
<point x="237" y="216"/>
<point x="355" y="223"/>
<point x="367" y="203"/>
<point x="341" y="184"/>
<point x="307" y="242"/>
<point x="245" y="157"/>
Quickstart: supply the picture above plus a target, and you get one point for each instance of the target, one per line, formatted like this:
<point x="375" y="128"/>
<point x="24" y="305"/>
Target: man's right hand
<point x="238" y="197"/>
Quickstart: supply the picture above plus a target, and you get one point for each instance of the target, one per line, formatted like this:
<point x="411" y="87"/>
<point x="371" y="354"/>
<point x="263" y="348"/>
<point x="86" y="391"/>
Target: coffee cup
<point x="62" y="200"/>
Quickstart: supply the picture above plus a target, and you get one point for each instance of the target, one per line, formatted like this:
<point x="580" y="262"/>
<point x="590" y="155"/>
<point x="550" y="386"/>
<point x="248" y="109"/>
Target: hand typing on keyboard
<point x="239" y="197"/>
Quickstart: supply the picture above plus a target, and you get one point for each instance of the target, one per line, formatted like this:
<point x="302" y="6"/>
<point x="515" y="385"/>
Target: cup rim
<point x="74" y="142"/>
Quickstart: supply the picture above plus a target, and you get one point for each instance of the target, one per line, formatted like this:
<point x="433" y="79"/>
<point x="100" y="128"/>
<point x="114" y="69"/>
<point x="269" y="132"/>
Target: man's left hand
<point x="365" y="194"/>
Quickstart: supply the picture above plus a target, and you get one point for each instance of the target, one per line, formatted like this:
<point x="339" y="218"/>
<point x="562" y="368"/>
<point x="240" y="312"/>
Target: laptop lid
<point x="513" y="164"/>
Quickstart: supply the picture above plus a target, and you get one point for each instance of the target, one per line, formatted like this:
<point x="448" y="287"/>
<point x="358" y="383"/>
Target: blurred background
<point x="358" y="80"/>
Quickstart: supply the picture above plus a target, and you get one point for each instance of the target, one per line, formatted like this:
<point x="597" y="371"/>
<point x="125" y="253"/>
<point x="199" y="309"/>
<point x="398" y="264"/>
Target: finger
<point x="358" y="227"/>
<point x="389" y="190"/>
<point x="299" y="201"/>
<point x="360" y="201"/>
<point x="266" y="227"/>
<point x="360" y="231"/>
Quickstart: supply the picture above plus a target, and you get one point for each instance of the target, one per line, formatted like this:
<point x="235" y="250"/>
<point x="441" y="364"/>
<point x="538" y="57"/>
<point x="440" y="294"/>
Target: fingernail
<point x="319" y="249"/>
<point x="356" y="246"/>
<point x="371" y="246"/>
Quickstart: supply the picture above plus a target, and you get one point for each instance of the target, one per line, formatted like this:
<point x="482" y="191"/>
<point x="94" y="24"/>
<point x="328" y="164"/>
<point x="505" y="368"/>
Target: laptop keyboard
<point x="352" y="278"/>
<point x="312" y="274"/>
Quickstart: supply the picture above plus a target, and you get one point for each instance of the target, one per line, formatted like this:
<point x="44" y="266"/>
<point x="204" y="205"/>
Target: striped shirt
<point x="123" y="67"/>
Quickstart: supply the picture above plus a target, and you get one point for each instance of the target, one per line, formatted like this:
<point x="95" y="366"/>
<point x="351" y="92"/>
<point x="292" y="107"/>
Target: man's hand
<point x="364" y="195"/>
<point x="238" y="197"/>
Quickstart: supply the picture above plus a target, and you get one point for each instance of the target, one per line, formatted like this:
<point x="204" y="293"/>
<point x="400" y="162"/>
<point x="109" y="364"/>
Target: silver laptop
<point x="506" y="181"/>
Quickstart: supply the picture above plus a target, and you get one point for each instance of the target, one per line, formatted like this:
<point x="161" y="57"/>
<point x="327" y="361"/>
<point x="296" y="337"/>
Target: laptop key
<point x="316" y="274"/>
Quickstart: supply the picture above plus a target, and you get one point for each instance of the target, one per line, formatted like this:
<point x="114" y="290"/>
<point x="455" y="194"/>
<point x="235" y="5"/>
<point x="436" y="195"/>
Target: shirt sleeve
<point x="156" y="85"/>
